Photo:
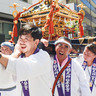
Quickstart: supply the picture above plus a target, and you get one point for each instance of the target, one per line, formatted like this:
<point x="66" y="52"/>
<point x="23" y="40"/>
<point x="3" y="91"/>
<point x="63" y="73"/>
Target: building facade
<point x="89" y="22"/>
<point x="6" y="17"/>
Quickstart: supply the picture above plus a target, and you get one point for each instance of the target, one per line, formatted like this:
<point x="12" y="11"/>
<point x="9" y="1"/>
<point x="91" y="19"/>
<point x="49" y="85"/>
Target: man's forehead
<point x="63" y="41"/>
<point x="25" y="36"/>
<point x="5" y="47"/>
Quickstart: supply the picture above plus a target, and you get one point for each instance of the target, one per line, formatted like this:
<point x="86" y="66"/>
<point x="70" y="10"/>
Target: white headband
<point x="63" y="41"/>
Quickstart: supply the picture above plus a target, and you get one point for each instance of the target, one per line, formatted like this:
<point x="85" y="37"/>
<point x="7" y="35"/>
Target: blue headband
<point x="10" y="45"/>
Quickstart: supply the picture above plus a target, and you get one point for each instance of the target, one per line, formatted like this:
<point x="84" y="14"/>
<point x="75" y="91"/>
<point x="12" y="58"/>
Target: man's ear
<point x="95" y="56"/>
<point x="37" y="41"/>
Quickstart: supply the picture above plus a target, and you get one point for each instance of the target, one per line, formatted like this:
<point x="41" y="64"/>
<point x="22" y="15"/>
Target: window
<point x="25" y="0"/>
<point x="0" y="27"/>
<point x="6" y="28"/>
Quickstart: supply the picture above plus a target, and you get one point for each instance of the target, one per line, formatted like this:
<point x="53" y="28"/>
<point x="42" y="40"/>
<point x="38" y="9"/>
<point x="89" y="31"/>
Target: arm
<point x="4" y="60"/>
<point x="45" y="42"/>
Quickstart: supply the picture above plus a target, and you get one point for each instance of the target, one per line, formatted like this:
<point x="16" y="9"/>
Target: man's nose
<point x="62" y="48"/>
<point x="22" y="41"/>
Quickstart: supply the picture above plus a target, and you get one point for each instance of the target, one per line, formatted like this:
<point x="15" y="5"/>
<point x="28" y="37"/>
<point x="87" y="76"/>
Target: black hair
<point x="92" y="47"/>
<point x="35" y="32"/>
<point x="41" y="46"/>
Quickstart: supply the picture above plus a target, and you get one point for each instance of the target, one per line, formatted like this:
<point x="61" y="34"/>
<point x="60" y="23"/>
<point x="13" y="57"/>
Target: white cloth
<point x="79" y="84"/>
<point x="6" y="79"/>
<point x="6" y="82"/>
<point x="80" y="59"/>
<point x="36" y="69"/>
<point x="8" y="93"/>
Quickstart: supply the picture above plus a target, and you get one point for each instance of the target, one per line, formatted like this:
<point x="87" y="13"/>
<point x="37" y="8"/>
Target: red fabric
<point x="15" y="33"/>
<point x="49" y="22"/>
<point x="81" y="30"/>
<point x="51" y="28"/>
<point x="15" y="30"/>
<point x="66" y="34"/>
<point x="80" y="24"/>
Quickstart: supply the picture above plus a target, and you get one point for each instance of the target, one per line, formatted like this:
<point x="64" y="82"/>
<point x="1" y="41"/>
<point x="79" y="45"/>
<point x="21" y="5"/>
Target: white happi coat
<point x="34" y="72"/>
<point x="80" y="59"/>
<point x="79" y="83"/>
<point x="6" y="82"/>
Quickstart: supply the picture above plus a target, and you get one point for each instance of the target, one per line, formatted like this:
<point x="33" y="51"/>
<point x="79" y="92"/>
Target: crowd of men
<point x="30" y="71"/>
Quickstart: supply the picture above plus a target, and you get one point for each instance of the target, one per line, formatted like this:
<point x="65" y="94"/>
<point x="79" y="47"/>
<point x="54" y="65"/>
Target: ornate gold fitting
<point x="90" y="84"/>
<point x="10" y="32"/>
<point x="24" y="8"/>
<point x="15" y="22"/>
<point x="43" y="29"/>
<point x="61" y="79"/>
<point x="14" y="13"/>
<point x="47" y="17"/>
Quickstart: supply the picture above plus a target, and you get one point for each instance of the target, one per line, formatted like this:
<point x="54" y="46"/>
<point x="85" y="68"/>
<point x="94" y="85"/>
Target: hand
<point x="17" y="51"/>
<point x="45" y="42"/>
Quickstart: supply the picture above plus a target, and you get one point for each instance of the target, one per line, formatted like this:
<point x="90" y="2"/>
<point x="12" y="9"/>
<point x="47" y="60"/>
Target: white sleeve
<point x="11" y="66"/>
<point x="1" y="66"/>
<point x="83" y="82"/>
<point x="80" y="59"/>
<point x="33" y="66"/>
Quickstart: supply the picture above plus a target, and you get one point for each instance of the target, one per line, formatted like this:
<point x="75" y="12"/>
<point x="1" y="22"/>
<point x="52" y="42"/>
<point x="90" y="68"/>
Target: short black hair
<point x="92" y="47"/>
<point x="35" y="32"/>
